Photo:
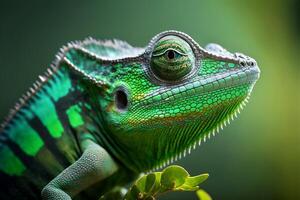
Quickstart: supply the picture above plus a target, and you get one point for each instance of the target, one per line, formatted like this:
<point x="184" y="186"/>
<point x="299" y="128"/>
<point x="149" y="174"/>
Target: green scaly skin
<point x="106" y="111"/>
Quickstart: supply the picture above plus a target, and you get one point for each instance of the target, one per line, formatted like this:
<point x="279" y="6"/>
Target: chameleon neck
<point x="172" y="141"/>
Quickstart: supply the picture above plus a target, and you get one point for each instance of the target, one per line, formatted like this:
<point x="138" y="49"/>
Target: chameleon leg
<point x="94" y="165"/>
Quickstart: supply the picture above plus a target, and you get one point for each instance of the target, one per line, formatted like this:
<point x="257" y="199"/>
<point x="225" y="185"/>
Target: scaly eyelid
<point x="172" y="49"/>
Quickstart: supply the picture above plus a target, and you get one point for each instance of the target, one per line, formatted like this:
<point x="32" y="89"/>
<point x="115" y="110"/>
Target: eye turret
<point x="172" y="58"/>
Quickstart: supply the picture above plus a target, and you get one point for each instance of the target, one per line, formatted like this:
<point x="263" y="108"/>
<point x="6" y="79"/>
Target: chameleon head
<point x="173" y="95"/>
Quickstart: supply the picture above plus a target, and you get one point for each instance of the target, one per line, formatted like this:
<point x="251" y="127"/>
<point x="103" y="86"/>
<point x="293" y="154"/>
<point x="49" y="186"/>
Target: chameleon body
<point x="106" y="111"/>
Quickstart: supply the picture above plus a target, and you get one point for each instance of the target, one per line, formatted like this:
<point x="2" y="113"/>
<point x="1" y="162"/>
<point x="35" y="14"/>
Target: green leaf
<point x="185" y="187"/>
<point x="150" y="182"/>
<point x="157" y="186"/>
<point x="133" y="194"/>
<point x="173" y="176"/>
<point x="202" y="195"/>
<point x="196" y="180"/>
<point x="141" y="183"/>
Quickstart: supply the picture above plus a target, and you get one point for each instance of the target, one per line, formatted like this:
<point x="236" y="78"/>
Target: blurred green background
<point x="258" y="156"/>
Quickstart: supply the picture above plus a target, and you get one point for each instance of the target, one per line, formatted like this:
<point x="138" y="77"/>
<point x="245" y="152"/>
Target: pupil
<point x="171" y="54"/>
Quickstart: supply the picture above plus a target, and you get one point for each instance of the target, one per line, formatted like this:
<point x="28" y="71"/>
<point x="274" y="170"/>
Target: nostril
<point x="243" y="63"/>
<point x="121" y="99"/>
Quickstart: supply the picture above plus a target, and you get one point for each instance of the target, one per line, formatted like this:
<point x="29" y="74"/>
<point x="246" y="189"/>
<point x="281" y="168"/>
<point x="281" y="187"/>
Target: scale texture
<point x="119" y="110"/>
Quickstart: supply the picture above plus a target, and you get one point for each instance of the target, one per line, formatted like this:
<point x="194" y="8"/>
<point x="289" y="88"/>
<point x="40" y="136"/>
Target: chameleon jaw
<point x="204" y="137"/>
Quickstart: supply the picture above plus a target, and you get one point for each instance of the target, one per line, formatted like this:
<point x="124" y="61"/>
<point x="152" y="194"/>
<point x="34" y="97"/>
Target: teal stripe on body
<point x="10" y="163"/>
<point x="26" y="137"/>
<point x="44" y="108"/>
<point x="74" y="115"/>
<point x="60" y="86"/>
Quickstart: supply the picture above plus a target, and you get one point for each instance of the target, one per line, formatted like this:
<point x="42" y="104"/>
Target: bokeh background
<point x="258" y="156"/>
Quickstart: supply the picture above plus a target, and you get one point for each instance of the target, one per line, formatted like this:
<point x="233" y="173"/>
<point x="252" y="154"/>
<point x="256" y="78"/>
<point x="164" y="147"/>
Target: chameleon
<point x="104" y="112"/>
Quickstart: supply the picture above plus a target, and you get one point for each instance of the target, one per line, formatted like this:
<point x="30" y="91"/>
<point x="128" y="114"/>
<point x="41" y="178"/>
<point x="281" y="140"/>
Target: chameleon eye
<point x="172" y="58"/>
